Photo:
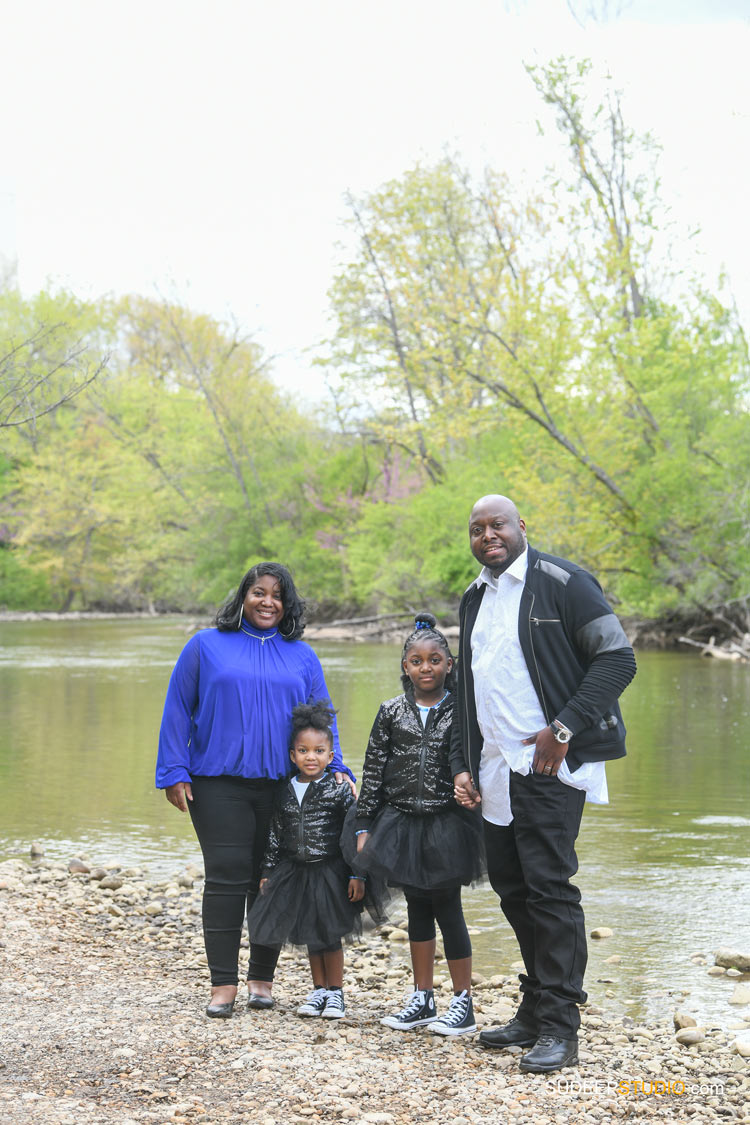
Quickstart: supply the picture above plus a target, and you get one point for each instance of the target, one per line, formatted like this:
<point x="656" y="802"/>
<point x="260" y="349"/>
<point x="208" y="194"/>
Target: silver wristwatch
<point x="561" y="733"/>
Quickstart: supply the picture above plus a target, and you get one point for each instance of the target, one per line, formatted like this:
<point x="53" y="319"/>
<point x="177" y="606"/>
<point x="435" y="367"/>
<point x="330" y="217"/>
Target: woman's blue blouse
<point x="229" y="706"/>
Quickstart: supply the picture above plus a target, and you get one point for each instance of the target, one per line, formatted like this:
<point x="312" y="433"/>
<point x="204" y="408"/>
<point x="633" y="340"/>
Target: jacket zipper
<point x="301" y="829"/>
<point x="536" y="621"/>
<point x="422" y="756"/>
<point x="463" y="662"/>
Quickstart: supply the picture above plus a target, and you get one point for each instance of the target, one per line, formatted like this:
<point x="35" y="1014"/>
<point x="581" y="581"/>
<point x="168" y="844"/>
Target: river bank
<point x="103" y="988"/>
<point x="724" y="632"/>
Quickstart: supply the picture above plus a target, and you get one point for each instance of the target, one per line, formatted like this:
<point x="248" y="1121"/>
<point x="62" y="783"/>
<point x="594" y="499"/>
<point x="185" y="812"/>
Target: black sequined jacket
<point x="309" y="831"/>
<point x="406" y="764"/>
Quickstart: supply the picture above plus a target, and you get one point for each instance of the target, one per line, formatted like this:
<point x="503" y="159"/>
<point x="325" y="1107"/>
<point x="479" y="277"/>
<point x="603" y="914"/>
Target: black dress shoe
<point x="513" y="1034"/>
<point x="255" y="1000"/>
<point x="550" y="1053"/>
<point x="220" y="1011"/>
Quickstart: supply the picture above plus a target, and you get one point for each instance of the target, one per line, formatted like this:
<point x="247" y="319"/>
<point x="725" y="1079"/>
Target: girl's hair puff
<point x="292" y="624"/>
<point x="318" y="715"/>
<point x="425" y="629"/>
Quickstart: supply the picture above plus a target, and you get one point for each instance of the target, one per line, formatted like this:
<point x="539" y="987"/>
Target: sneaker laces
<point x="335" y="1000"/>
<point x="457" y="1009"/>
<point x="414" y="1004"/>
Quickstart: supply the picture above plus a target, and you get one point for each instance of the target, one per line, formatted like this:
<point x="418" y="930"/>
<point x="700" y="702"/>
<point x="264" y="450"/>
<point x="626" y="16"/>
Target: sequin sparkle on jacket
<point x="310" y="831"/>
<point x="406" y="764"/>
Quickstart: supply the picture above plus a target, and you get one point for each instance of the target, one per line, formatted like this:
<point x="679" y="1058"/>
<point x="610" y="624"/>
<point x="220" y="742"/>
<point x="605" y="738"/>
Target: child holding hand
<point x="411" y="831"/>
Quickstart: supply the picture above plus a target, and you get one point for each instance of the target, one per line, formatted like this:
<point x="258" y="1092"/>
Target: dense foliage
<point x="483" y="342"/>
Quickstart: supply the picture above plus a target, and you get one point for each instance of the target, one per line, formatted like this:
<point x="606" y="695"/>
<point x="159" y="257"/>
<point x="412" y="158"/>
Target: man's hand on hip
<point x="549" y="752"/>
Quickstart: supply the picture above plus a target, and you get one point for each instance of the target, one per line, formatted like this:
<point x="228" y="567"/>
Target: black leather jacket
<point x="578" y="656"/>
<point x="406" y="764"/>
<point x="310" y="831"/>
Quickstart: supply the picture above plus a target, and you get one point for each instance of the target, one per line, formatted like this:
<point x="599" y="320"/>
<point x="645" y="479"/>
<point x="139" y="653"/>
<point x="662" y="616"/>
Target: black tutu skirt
<point x="430" y="853"/>
<point x="305" y="904"/>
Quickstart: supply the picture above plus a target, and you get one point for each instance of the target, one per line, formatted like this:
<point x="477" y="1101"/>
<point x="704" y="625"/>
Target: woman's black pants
<point x="231" y="817"/>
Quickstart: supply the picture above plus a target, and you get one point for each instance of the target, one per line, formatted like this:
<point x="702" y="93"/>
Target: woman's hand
<point x="342" y="777"/>
<point x="361" y="840"/>
<point x="262" y="886"/>
<point x="179" y="794"/>
<point x="465" y="792"/>
<point x="356" y="889"/>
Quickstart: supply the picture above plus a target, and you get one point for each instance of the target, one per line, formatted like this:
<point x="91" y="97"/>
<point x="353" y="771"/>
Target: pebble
<point x="732" y="959"/>
<point x="121" y="1038"/>
<point x="602" y="932"/>
<point x="740" y="994"/>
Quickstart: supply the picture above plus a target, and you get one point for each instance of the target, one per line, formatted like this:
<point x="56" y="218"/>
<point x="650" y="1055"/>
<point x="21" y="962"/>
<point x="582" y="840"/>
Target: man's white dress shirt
<point x="508" y="709"/>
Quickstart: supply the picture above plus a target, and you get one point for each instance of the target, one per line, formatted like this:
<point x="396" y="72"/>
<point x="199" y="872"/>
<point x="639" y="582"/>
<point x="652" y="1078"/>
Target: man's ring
<point x="548" y="769"/>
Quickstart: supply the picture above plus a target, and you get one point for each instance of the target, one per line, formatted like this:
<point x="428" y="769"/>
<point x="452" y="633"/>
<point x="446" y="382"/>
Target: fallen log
<point x="709" y="648"/>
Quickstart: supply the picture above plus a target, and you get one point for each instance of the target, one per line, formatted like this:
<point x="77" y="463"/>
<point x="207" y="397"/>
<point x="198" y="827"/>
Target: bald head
<point x="497" y="534"/>
<point x="497" y="502"/>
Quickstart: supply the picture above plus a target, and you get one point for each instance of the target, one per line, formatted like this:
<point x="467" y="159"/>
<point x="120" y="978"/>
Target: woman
<point x="224" y="745"/>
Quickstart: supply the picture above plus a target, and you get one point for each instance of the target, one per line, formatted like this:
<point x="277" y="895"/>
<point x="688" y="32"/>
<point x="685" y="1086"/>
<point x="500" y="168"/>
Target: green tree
<point x="45" y="357"/>
<point x="622" y="413"/>
<point x="180" y="467"/>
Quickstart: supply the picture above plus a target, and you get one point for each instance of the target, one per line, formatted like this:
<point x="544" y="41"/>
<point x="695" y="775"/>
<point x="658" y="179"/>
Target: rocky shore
<point x="103" y="988"/>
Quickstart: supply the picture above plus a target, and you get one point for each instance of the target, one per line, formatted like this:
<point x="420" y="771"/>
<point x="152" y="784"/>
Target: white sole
<point x="454" y="1030"/>
<point x="407" y="1026"/>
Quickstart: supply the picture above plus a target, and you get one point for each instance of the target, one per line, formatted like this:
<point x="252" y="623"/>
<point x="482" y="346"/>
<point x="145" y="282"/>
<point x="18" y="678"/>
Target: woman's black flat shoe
<point x="220" y="1011"/>
<point x="255" y="1000"/>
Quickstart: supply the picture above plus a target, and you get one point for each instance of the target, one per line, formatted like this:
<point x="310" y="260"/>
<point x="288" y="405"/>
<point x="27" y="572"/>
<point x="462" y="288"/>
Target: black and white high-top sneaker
<point x="459" y="1019"/>
<point x="419" y="1010"/>
<point x="314" y="1004"/>
<point x="335" y="1009"/>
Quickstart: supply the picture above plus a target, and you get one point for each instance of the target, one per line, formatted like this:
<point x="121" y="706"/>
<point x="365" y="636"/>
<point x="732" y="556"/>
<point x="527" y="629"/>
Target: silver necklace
<point x="429" y="706"/>
<point x="261" y="639"/>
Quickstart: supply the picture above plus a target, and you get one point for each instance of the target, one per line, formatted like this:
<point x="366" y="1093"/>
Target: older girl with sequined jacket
<point x="411" y="831"/>
<point x="406" y="764"/>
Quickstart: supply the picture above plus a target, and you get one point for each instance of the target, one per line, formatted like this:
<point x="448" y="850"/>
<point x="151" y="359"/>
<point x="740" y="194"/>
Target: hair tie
<point x="419" y="624"/>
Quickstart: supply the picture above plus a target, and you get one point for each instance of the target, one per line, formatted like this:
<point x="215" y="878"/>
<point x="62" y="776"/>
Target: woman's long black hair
<point x="425" y="629"/>
<point x="292" y="624"/>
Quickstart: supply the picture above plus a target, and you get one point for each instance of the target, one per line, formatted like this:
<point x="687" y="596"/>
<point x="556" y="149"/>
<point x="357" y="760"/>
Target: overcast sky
<point x="202" y="151"/>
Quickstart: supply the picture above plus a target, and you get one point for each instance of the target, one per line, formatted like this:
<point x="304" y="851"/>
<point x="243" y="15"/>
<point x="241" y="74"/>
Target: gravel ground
<point x="104" y="984"/>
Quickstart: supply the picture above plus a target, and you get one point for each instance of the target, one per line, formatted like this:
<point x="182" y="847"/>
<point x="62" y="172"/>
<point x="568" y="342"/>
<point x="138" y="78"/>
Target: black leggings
<point x="444" y="907"/>
<point x="231" y="817"/>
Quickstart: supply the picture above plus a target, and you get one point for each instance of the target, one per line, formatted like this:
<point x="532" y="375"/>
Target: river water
<point x="666" y="864"/>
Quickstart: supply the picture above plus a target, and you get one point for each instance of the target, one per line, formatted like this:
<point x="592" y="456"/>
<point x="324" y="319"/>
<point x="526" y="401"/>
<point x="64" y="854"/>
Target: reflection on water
<point x="666" y="865"/>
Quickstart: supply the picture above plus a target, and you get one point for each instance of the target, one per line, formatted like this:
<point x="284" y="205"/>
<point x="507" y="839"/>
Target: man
<point x="542" y="662"/>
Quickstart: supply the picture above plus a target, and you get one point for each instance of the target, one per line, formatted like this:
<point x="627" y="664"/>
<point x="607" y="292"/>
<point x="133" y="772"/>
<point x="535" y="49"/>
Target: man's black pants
<point x="530" y="863"/>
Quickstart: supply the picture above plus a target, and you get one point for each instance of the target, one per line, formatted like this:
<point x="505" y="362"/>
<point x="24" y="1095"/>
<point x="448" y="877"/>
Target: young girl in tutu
<point x="308" y="895"/>
<point x="411" y="831"/>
